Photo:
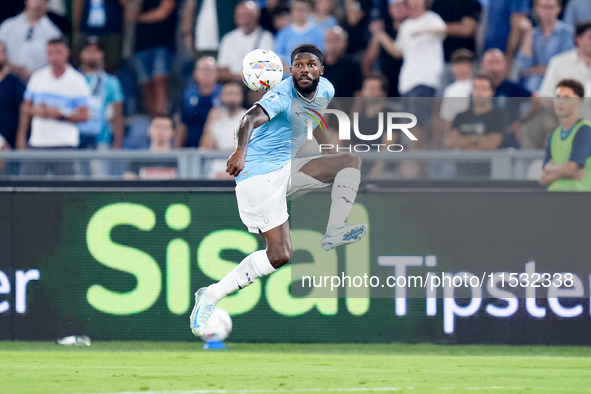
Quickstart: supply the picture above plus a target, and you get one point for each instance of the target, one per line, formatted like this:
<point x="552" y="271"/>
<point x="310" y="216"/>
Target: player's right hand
<point x="235" y="163"/>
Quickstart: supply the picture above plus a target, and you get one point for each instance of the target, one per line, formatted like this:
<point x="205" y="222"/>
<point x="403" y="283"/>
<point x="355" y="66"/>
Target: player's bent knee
<point x="352" y="161"/>
<point x="279" y="257"/>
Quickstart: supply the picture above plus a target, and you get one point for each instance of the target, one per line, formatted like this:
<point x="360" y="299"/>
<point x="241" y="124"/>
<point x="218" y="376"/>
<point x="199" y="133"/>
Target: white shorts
<point x="262" y="199"/>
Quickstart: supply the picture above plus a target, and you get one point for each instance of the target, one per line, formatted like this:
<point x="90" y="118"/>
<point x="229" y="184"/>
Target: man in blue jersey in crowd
<point x="266" y="171"/>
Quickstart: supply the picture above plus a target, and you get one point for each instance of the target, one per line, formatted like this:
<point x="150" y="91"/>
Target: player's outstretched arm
<point x="252" y="119"/>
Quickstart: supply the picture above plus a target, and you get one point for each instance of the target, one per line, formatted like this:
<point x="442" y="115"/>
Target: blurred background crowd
<point x="164" y="74"/>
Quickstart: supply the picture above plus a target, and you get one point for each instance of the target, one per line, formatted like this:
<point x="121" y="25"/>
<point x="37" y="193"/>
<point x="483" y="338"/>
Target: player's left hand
<point x="235" y="163"/>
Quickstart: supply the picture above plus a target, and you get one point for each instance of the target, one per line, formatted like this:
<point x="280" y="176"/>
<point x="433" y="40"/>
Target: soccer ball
<point x="218" y="327"/>
<point x="262" y="70"/>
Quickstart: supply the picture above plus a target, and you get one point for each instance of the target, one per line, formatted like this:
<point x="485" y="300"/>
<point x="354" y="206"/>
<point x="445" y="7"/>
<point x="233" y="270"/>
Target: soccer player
<point x="266" y="173"/>
<point x="567" y="166"/>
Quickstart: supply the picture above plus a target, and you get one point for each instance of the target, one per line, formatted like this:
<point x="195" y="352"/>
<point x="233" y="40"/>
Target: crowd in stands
<point x="86" y="74"/>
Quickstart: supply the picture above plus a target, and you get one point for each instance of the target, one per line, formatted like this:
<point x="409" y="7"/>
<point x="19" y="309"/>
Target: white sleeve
<point x="224" y="56"/>
<point x="437" y="21"/>
<point x="444" y="111"/>
<point x="3" y="32"/>
<point x="549" y="82"/>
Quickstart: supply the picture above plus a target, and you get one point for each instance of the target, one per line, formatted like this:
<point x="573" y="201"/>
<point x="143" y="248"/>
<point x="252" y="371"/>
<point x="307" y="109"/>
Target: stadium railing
<point x="197" y="164"/>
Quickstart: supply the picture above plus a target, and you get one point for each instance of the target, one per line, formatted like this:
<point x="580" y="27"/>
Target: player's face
<point x="566" y="102"/>
<point x="306" y="71"/>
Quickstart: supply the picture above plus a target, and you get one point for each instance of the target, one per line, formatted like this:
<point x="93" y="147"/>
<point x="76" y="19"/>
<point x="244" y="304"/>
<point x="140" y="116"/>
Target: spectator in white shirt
<point x="236" y="44"/>
<point x="56" y="100"/>
<point x="456" y="96"/>
<point x="219" y="131"/>
<point x="26" y="36"/>
<point x="420" y="44"/>
<point x="204" y="22"/>
<point x="574" y="64"/>
<point x="462" y="61"/>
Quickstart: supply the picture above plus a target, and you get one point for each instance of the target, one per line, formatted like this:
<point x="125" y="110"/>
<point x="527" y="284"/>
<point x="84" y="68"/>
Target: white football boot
<point x="201" y="312"/>
<point x="348" y="234"/>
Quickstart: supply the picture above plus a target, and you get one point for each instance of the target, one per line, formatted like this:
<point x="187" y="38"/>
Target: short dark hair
<point x="582" y="27"/>
<point x="163" y="116"/>
<point x="93" y="40"/>
<point x="481" y="74"/>
<point x="61" y="40"/>
<point x="462" y="55"/>
<point x="380" y="77"/>
<point x="280" y="10"/>
<point x="573" y="85"/>
<point x="309" y="48"/>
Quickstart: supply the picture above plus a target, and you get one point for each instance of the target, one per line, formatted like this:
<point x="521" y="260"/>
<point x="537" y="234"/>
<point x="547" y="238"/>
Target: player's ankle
<point x="333" y="226"/>
<point x="212" y="295"/>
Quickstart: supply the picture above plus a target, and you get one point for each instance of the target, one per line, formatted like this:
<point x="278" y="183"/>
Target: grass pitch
<point x="145" y="367"/>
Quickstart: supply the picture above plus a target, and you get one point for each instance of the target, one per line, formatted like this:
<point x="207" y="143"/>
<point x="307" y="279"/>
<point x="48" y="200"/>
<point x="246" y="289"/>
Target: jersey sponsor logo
<point x="271" y="97"/>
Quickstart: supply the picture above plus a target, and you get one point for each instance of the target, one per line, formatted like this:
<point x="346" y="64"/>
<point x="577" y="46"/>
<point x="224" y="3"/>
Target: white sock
<point x="250" y="269"/>
<point x="344" y="192"/>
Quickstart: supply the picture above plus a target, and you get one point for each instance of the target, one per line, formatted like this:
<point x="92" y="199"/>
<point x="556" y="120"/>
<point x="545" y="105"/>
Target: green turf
<point x="113" y="367"/>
